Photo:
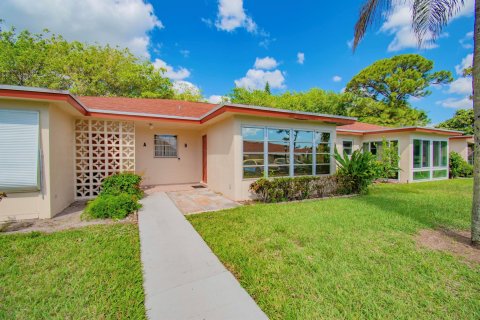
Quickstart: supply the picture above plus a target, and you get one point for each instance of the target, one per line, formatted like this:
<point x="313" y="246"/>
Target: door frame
<point x="204" y="158"/>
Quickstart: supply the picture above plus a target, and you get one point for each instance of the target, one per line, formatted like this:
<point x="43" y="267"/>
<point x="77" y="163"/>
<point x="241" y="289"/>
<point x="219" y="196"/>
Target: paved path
<point x="183" y="279"/>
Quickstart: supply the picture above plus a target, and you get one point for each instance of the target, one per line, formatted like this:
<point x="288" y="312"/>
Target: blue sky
<point x="214" y="45"/>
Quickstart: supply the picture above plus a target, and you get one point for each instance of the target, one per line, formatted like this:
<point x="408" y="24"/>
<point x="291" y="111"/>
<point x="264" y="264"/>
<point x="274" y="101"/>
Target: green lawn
<point x="89" y="273"/>
<point x="350" y="257"/>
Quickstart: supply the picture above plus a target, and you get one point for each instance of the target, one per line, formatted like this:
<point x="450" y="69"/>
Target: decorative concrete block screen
<point x="102" y="148"/>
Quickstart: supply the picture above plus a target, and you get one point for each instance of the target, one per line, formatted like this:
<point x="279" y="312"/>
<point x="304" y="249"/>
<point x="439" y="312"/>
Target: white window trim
<point x="430" y="168"/>
<point x="347" y="140"/>
<point x="176" y="146"/>
<point x="291" y="153"/>
<point x="398" y="150"/>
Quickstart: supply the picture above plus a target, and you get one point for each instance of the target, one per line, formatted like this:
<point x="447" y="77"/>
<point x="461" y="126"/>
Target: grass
<point x="350" y="258"/>
<point x="88" y="273"/>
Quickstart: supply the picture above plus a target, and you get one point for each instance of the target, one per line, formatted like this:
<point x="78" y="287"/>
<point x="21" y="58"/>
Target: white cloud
<point x="467" y="62"/>
<point x="337" y="78"/>
<point x="179" y="74"/>
<point x="466" y="41"/>
<point x="265" y="63"/>
<point x="399" y="24"/>
<point x="256" y="79"/>
<point x="462" y="103"/>
<point x="461" y="86"/>
<point x="216" y="99"/>
<point x="126" y="23"/>
<point x="350" y="43"/>
<point x="300" y="57"/>
<point x="185" y="53"/>
<point x="231" y="15"/>
<point x="181" y="86"/>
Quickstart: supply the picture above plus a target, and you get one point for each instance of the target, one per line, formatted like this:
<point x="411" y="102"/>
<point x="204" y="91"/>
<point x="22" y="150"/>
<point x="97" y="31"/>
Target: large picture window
<point x="165" y="146"/>
<point x="19" y="151"/>
<point x="430" y="159"/>
<point x="278" y="152"/>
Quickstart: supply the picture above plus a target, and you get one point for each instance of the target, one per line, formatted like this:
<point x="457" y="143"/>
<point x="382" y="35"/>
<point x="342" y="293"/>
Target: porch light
<point x="150" y="126"/>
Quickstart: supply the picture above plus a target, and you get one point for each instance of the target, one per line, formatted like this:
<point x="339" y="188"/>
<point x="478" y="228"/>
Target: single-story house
<point x="463" y="145"/>
<point x="56" y="148"/>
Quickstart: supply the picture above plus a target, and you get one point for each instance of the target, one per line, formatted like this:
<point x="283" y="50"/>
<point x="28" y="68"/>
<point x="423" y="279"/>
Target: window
<point x="253" y="152"/>
<point x="19" y="151"/>
<point x="279" y="152"/>
<point x="470" y="154"/>
<point x="165" y="146"/>
<point x="430" y="159"/>
<point x="347" y="146"/>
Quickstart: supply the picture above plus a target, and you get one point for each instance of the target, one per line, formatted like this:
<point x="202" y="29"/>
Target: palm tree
<point x="428" y="18"/>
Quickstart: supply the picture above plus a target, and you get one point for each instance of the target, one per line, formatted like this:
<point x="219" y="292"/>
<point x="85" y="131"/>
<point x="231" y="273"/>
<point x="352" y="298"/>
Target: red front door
<point x="204" y="159"/>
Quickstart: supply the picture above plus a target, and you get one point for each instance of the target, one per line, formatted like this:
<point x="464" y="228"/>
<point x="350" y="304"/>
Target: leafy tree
<point x="313" y="100"/>
<point x="267" y="88"/>
<point x="394" y="80"/>
<point x="462" y="120"/>
<point x="428" y="18"/>
<point x="52" y="62"/>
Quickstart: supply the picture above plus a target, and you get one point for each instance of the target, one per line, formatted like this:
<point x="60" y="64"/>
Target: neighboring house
<point x="56" y="148"/>
<point x="423" y="151"/>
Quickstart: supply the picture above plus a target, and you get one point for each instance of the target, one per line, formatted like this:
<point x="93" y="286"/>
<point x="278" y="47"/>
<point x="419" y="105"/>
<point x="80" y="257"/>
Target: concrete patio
<point x="183" y="279"/>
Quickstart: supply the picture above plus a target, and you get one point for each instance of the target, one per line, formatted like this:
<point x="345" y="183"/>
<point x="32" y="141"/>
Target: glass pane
<point x="444" y="152"/>
<point x="323" y="158"/>
<point x="425" y="153"/>
<point x="303" y="136"/>
<point x="373" y="148"/>
<point x="279" y="159"/>
<point x="323" y="137"/>
<point x="303" y="158"/>
<point x="278" y="171"/>
<point x="323" y="169"/>
<point x="323" y="148"/>
<point x="279" y="146"/>
<point x="300" y="170"/>
<point x="470" y="154"/>
<point x="417" y="153"/>
<point x="421" y="175"/>
<point x="253" y="159"/>
<point x="255" y="134"/>
<point x="278" y="135"/>
<point x="253" y="172"/>
<point x="439" y="174"/>
<point x="347" y="145"/>
<point x="252" y="146"/>
<point x="436" y="153"/>
<point x="303" y="147"/>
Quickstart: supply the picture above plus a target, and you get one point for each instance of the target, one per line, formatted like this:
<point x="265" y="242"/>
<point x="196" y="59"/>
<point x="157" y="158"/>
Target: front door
<point x="204" y="158"/>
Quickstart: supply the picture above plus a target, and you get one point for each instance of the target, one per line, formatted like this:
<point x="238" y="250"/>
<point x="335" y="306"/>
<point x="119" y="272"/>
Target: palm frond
<point x="371" y="11"/>
<point x="430" y="16"/>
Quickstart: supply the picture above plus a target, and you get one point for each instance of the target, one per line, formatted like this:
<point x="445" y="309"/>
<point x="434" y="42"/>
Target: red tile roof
<point x="166" y="107"/>
<point x="361" y="126"/>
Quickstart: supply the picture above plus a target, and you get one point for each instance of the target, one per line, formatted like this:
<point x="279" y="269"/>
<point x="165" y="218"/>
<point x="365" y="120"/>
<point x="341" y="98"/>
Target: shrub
<point x="112" y="206"/>
<point x="122" y="183"/>
<point x="357" y="171"/>
<point x="388" y="161"/>
<point x="297" y="188"/>
<point x="459" y="167"/>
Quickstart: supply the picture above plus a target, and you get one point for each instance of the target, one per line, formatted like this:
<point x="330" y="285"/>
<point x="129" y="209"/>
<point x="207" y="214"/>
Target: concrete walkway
<point x="183" y="279"/>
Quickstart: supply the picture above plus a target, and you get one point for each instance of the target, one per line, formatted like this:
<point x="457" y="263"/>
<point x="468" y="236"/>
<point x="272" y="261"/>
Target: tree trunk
<point x="476" y="110"/>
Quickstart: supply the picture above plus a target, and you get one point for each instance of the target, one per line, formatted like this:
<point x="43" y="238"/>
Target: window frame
<point x="291" y="151"/>
<point x="155" y="146"/>
<point x="431" y="168"/>
<point x="343" y="146"/>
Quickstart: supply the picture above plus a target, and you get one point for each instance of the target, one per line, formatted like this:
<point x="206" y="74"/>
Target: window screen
<point x="165" y="146"/>
<point x="19" y="151"/>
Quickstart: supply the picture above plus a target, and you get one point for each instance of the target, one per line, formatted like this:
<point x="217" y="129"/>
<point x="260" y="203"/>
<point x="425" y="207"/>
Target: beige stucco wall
<point x="221" y="157"/>
<point x="187" y="168"/>
<point x="357" y="141"/>
<point x="31" y="205"/>
<point x="459" y="146"/>
<point x="61" y="158"/>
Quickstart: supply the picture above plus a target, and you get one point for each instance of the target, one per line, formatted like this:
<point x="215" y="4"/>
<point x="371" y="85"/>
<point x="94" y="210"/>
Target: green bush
<point x="459" y="167"/>
<point x="357" y="171"/>
<point x="122" y="183"/>
<point x="112" y="206"/>
<point x="297" y="188"/>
